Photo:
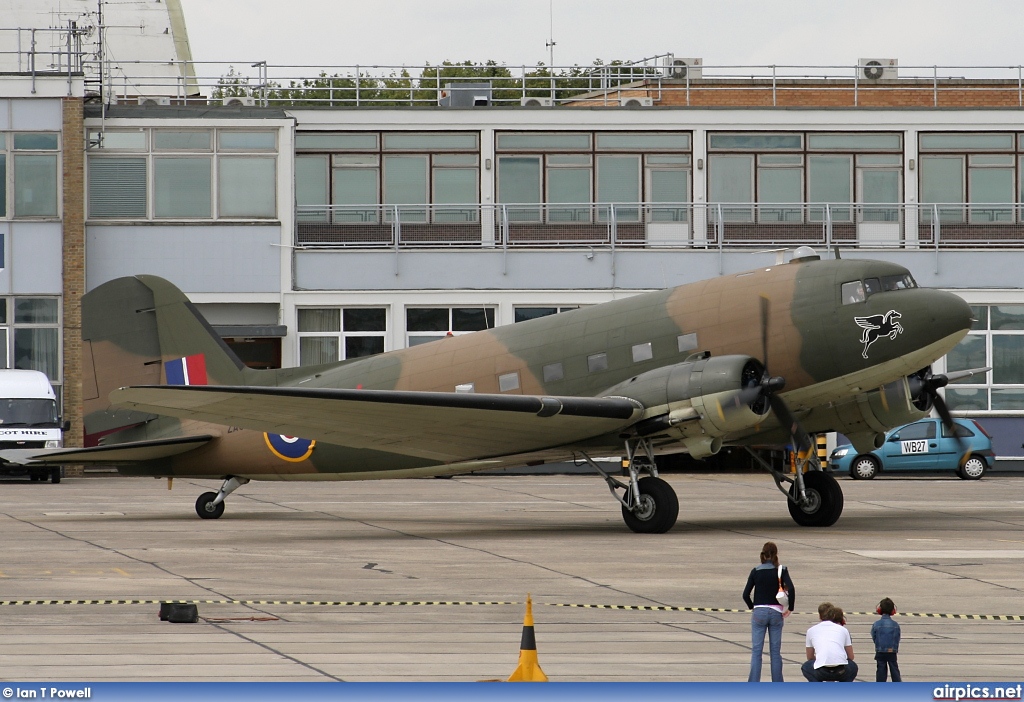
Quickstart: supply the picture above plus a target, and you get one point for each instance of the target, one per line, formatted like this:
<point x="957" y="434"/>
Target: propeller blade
<point x="801" y="441"/>
<point x="960" y="375"/>
<point x="947" y="420"/>
<point x="764" y="330"/>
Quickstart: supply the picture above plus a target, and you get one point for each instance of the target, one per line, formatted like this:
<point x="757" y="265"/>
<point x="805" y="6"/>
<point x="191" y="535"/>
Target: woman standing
<point x="768" y="614"/>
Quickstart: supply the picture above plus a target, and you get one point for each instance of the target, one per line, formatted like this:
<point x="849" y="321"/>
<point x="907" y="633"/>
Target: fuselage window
<point x="553" y="372"/>
<point x="687" y="342"/>
<point x="853" y="292"/>
<point x="508" y="382"/>
<point x="597" y="362"/>
<point x="642" y="352"/>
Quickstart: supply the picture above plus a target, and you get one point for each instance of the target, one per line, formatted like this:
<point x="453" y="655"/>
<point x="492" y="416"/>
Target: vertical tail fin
<point x="142" y="330"/>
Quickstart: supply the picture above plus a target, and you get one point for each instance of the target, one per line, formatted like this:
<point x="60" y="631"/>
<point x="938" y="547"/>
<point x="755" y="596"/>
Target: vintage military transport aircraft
<point x="756" y="359"/>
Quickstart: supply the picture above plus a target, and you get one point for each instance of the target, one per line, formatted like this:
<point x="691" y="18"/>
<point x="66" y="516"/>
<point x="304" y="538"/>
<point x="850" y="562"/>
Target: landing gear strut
<point x="814" y="496"/>
<point x="210" y="505"/>
<point x="649" y="505"/>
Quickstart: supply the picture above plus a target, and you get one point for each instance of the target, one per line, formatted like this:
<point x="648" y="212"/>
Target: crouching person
<point x="829" y="648"/>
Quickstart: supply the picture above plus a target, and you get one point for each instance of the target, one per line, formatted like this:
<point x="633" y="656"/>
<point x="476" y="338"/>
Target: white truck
<point x="29" y="419"/>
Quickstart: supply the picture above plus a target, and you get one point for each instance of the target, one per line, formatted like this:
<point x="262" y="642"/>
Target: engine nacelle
<point x="699" y="400"/>
<point x="866" y="418"/>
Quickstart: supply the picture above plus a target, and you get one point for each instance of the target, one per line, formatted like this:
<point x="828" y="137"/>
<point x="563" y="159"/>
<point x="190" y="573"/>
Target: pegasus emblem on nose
<point x="877" y="326"/>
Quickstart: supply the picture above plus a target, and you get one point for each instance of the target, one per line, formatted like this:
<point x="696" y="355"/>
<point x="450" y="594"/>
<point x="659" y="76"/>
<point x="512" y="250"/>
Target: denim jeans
<point x="825" y="674"/>
<point x="887" y="660"/>
<point x="766" y="619"/>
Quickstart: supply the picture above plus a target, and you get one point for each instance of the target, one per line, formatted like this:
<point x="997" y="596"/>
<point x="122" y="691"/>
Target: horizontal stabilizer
<point x="130" y="452"/>
<point x="443" y="426"/>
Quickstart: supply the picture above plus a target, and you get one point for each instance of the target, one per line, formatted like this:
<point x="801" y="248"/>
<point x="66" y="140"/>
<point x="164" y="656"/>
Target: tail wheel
<point x="824" y="500"/>
<point x="973" y="468"/>
<point x="658" y="508"/>
<point x="205" y="507"/>
<point x="864" y="468"/>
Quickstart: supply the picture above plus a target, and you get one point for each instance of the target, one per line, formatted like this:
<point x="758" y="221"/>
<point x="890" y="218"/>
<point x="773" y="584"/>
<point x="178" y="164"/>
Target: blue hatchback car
<point x="925" y="445"/>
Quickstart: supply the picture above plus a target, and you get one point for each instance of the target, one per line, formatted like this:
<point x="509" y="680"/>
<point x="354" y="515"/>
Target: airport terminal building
<point x="314" y="219"/>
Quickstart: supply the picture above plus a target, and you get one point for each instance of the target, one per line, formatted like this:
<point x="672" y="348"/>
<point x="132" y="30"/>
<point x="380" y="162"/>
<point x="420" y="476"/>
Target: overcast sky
<point x="514" y="32"/>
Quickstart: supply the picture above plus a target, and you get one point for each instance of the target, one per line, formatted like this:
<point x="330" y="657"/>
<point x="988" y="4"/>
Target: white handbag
<point x="782" y="596"/>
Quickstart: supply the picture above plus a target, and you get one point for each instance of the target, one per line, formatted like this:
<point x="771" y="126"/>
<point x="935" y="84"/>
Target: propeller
<point x="924" y="391"/>
<point x="767" y="388"/>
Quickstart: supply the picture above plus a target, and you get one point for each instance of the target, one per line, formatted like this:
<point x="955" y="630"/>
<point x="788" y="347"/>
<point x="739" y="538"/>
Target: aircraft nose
<point x="949" y="313"/>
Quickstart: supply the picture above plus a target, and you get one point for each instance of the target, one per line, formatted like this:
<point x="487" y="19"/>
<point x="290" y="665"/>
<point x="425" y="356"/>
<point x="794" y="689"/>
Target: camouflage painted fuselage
<point x="132" y="326"/>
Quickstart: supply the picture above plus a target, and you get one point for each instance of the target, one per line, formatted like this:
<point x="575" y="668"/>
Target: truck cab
<point x="29" y="418"/>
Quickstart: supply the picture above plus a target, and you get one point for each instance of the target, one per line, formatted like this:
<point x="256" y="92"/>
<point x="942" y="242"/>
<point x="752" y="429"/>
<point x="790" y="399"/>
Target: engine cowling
<point x="699" y="400"/>
<point x="867" y="417"/>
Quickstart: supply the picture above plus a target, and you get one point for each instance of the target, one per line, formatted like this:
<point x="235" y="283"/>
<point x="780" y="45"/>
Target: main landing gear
<point x="649" y="505"/>
<point x="814" y="496"/>
<point x="210" y="505"/>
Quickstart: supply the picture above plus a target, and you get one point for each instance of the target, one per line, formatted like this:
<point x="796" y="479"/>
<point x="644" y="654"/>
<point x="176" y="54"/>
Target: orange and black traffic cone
<point x="528" y="669"/>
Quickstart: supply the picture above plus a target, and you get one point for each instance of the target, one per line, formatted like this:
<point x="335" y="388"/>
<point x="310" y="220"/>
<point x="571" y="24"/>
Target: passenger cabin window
<point x="853" y="292"/>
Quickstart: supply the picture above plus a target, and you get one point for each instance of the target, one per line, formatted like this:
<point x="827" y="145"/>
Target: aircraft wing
<point x="129" y="452"/>
<point x="441" y="426"/>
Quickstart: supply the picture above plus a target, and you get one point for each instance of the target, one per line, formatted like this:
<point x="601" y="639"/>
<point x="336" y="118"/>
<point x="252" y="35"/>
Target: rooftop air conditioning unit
<point x="636" y="102"/>
<point x="239" y="101"/>
<point x="149" y="100"/>
<point x="877" y="69"/>
<point x="537" y="102"/>
<point x="682" y="68"/>
<point x="465" y="95"/>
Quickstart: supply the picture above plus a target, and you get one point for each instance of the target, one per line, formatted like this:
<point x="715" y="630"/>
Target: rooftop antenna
<point x="551" y="45"/>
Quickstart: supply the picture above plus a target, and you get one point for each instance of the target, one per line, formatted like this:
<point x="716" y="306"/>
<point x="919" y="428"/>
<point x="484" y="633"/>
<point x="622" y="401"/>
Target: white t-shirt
<point x="829" y="641"/>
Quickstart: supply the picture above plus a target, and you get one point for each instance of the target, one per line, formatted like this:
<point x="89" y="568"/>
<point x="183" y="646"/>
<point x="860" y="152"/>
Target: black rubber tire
<point x="859" y="469"/>
<point x="827" y="496"/>
<point x="205" y="507"/>
<point x="54" y="475"/>
<point x="662" y="508"/>
<point x="973" y="468"/>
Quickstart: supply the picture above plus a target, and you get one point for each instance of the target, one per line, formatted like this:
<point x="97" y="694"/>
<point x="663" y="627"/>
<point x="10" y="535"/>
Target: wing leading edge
<point x="442" y="426"/>
<point x="129" y="452"/>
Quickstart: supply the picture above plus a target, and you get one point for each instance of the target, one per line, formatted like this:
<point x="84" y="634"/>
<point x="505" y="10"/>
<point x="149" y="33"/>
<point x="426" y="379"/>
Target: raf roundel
<point x="289" y="448"/>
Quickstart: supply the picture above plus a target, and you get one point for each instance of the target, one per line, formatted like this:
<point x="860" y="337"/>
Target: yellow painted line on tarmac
<point x="475" y="603"/>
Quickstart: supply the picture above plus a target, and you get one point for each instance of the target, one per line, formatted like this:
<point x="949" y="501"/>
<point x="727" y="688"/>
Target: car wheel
<point x="864" y="468"/>
<point x="973" y="468"/>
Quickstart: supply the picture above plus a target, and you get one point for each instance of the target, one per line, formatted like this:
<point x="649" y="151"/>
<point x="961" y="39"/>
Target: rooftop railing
<point x="660" y="79"/>
<point x="42" y="52"/>
<point x="646" y="225"/>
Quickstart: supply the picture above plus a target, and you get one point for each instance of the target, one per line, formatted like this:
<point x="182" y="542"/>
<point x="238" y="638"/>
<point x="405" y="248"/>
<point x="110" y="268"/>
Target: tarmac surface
<point x="937" y="546"/>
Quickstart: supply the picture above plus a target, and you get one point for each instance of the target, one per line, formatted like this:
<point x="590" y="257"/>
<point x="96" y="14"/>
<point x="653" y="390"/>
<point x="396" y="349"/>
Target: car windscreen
<point x="28" y="412"/>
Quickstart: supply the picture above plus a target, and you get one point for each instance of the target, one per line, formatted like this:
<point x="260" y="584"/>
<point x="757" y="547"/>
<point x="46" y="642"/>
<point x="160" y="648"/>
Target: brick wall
<point x="73" y="157"/>
<point x="820" y="94"/>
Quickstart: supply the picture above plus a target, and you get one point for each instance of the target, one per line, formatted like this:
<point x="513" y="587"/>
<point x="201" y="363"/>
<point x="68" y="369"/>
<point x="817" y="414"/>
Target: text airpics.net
<point x="47" y="693"/>
<point x="977" y="692"/>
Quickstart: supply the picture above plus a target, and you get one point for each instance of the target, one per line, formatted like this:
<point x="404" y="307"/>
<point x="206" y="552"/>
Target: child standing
<point x="886" y="635"/>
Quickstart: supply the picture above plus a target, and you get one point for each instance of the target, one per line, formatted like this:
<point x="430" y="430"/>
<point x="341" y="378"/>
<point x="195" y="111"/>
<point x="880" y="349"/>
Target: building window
<point x="191" y="174"/>
<point x="980" y="169"/>
<point x="424" y="324"/>
<point x="330" y="334"/>
<point x="996" y="340"/>
<point x="789" y="169"/>
<point x="556" y="177"/>
<point x="30" y="335"/>
<point x="424" y="177"/>
<point x="523" y="314"/>
<point x="30" y="173"/>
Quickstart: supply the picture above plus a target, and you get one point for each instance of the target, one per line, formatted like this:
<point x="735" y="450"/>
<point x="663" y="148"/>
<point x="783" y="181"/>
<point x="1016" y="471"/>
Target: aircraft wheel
<point x="54" y="475"/>
<point x="658" y="509"/>
<point x="864" y="468"/>
<point x="972" y="469"/>
<point x="205" y="507"/>
<point x="825" y="500"/>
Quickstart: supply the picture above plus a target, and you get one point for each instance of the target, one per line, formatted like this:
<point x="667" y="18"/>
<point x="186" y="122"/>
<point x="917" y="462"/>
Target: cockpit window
<point x="898" y="282"/>
<point x="872" y="286"/>
<point x="853" y="292"/>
